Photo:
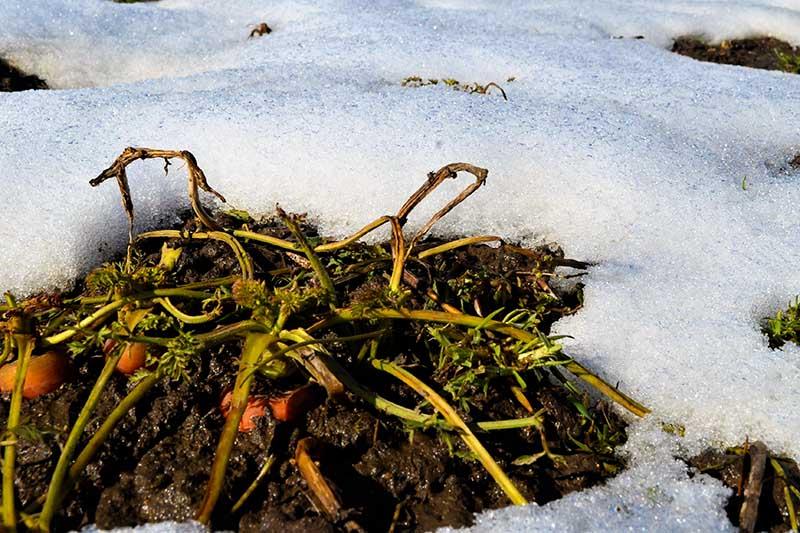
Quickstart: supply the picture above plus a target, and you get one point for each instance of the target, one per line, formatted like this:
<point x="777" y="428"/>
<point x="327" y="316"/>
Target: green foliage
<point x="25" y="432"/>
<point x="784" y="326"/>
<point x="469" y="344"/>
<point x="175" y="363"/>
<point x="470" y="361"/>
<point x="91" y="341"/>
<point x="788" y="62"/>
<point x="115" y="277"/>
<point x="157" y="323"/>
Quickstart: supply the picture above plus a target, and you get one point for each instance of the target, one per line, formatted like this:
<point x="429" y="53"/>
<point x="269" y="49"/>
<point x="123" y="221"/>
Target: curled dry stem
<point x="493" y="84"/>
<point x="197" y="180"/>
<point x="434" y="180"/>
<point x="402" y="249"/>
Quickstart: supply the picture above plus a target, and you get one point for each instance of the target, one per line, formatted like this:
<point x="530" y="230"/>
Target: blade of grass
<point x="458" y="243"/>
<point x="254" y="485"/>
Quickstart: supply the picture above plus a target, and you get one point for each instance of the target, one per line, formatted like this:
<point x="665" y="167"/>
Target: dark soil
<point x="12" y="79"/>
<point x="758" y="52"/>
<point x="732" y="467"/>
<point x="389" y="476"/>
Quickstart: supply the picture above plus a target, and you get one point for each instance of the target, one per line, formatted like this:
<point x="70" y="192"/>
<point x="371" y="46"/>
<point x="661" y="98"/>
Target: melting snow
<point x="625" y="154"/>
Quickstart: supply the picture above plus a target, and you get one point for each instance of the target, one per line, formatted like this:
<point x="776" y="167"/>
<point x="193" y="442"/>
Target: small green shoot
<point x="784" y="326"/>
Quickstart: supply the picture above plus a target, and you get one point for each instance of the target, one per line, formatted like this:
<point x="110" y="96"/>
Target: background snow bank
<point x="625" y="154"/>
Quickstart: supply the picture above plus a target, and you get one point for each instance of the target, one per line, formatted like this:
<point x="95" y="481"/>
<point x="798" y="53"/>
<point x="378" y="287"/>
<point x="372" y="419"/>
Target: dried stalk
<point x="197" y="180"/>
<point x="324" y="497"/>
<point x="458" y="243"/>
<point x="748" y="514"/>
<point x="400" y="249"/>
<point x="434" y="180"/>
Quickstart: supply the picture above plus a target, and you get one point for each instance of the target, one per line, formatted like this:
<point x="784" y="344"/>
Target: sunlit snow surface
<point x="625" y="154"/>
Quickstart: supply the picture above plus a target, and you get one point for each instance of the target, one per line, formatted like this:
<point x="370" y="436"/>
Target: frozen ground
<point x="625" y="154"/>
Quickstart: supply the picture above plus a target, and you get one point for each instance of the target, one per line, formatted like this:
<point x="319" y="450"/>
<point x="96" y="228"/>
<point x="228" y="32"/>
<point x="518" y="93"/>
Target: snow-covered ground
<point x="625" y="154"/>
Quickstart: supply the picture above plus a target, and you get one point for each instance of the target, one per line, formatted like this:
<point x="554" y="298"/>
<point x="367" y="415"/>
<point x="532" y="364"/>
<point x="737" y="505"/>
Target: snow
<point x="625" y="154"/>
<point x="162" y="527"/>
<point x="653" y="495"/>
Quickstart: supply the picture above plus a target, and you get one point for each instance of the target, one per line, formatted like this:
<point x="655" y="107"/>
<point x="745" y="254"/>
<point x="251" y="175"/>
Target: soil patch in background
<point x="765" y="53"/>
<point x="13" y="79"/>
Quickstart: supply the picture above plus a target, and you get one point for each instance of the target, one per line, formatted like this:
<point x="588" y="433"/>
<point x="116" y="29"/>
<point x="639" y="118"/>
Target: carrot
<point x="46" y="373"/>
<point x="256" y="408"/>
<point x="289" y="406"/>
<point x="134" y="356"/>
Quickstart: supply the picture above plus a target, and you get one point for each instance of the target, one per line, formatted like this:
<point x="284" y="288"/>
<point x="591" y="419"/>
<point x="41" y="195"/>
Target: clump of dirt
<point x="766" y="486"/>
<point x="418" y="407"/>
<point x="13" y="79"/>
<point x="758" y="52"/>
<point x="259" y="30"/>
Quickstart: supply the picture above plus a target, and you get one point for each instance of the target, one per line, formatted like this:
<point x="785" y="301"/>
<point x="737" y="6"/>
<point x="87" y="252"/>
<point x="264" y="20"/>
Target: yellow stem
<point x="452" y="417"/>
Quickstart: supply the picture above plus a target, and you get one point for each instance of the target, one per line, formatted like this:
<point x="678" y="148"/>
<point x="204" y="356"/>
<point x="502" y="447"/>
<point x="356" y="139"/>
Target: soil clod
<point x="758" y="52"/>
<point x="13" y="79"/>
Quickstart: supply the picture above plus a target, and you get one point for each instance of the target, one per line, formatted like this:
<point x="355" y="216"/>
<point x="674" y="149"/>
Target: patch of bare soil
<point x="13" y="79"/>
<point x="758" y="52"/>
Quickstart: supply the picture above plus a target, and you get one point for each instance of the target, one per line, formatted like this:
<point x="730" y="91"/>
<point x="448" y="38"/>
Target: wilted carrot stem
<point x="54" y="491"/>
<point x="24" y="349"/>
<point x="254" y="345"/>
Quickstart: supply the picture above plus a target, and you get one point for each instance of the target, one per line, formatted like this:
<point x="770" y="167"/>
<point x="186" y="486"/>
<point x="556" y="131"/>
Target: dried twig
<point x="752" y="491"/>
<point x="434" y="180"/>
<point x="493" y="84"/>
<point x="323" y="497"/>
<point x="197" y="179"/>
<point x="259" y="30"/>
<point x="401" y="248"/>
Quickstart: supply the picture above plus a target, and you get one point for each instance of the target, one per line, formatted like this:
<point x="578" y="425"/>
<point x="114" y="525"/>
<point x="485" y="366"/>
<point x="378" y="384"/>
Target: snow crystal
<point x="627" y="155"/>
<point x="163" y="527"/>
<point x="655" y="494"/>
